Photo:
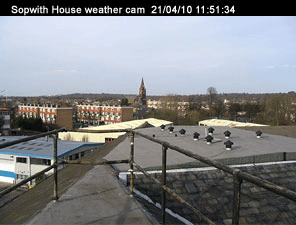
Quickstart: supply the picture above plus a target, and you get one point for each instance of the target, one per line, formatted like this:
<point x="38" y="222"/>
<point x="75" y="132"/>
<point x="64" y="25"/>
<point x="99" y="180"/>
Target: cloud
<point x="270" y="67"/>
<point x="280" y="66"/>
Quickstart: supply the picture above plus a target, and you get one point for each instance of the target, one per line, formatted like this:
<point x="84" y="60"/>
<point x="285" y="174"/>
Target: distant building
<point x="155" y="104"/>
<point x="50" y="114"/>
<point x="106" y="114"/>
<point x="141" y="98"/>
<point x="7" y="116"/>
<point x="25" y="159"/>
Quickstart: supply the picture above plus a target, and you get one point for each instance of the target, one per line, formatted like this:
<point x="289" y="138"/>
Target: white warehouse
<point x="22" y="160"/>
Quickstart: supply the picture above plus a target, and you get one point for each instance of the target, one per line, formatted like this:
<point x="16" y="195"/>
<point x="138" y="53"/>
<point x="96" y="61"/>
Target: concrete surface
<point x="98" y="198"/>
<point x="246" y="143"/>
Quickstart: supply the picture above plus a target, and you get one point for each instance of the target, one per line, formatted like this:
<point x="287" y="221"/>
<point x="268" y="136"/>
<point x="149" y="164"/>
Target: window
<point x="37" y="161"/>
<point x="21" y="160"/>
<point x="21" y="176"/>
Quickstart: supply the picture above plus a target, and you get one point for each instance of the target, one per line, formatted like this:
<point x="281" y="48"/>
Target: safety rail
<point x="238" y="175"/>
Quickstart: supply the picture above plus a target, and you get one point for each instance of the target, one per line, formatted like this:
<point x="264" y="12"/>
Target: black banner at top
<point x="156" y="8"/>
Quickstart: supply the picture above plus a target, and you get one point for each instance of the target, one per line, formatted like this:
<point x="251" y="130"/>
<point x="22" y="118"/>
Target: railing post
<point x="163" y="182"/>
<point x="236" y="197"/>
<point x="55" y="169"/>
<point x="131" y="170"/>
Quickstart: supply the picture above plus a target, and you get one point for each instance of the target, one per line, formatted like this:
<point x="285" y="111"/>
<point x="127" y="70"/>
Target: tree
<point x="212" y="93"/>
<point x="124" y="102"/>
<point x="219" y="108"/>
<point x="234" y="108"/>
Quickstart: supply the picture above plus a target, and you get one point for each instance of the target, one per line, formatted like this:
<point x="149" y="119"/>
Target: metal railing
<point x="238" y="175"/>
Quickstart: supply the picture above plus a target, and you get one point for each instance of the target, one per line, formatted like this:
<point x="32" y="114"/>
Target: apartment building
<point x="155" y="104"/>
<point x="50" y="114"/>
<point x="109" y="114"/>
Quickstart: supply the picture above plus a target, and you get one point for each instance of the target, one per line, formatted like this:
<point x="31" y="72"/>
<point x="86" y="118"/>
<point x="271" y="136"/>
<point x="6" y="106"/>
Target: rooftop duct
<point x="182" y="132"/>
<point x="209" y="139"/>
<point x="227" y="134"/>
<point x="171" y="129"/>
<point x="211" y="130"/>
<point x="162" y="127"/>
<point x="196" y="136"/>
<point x="258" y="133"/>
<point x="228" y="144"/>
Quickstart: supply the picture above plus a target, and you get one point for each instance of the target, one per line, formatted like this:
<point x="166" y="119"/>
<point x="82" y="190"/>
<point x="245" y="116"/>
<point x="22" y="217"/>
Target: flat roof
<point x="133" y="124"/>
<point x="228" y="123"/>
<point x="246" y="143"/>
<point x="40" y="148"/>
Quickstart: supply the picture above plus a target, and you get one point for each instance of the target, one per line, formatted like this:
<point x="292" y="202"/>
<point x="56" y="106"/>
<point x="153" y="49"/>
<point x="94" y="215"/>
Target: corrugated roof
<point x="227" y="123"/>
<point x="40" y="148"/>
<point x="133" y="124"/>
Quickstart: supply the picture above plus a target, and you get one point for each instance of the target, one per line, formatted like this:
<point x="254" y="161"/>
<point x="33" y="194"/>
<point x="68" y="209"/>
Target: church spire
<point x="141" y="98"/>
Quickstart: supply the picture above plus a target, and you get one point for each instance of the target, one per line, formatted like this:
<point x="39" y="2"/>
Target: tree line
<point x="275" y="109"/>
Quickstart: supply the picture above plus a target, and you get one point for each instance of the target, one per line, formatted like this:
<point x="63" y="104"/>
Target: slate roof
<point x="211" y="191"/>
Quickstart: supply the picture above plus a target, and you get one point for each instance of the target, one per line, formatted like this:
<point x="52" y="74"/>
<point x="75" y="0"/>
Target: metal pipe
<point x="131" y="170"/>
<point x="55" y="169"/>
<point x="163" y="181"/>
<point x="202" y="217"/>
<point x="236" y="198"/>
<point x="7" y="144"/>
<point x="95" y="162"/>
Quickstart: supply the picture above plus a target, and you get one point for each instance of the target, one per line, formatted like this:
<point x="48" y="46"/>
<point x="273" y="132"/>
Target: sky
<point x="174" y="55"/>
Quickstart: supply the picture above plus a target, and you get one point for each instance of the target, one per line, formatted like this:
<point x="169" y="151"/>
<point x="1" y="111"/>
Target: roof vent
<point x="228" y="144"/>
<point x="153" y="135"/>
<point x="162" y="127"/>
<point x="227" y="134"/>
<point x="171" y="129"/>
<point x="176" y="135"/>
<point x="195" y="136"/>
<point x="209" y="139"/>
<point x="258" y="133"/>
<point x="211" y="130"/>
<point x="182" y="132"/>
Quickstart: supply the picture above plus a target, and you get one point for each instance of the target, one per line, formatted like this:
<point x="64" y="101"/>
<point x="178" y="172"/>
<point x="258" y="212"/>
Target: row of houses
<point x="83" y="113"/>
<point x="107" y="114"/>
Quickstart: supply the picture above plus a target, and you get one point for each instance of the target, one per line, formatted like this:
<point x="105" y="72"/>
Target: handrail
<point x="243" y="175"/>
<point x="238" y="177"/>
<point x="10" y="189"/>
<point x="175" y="196"/>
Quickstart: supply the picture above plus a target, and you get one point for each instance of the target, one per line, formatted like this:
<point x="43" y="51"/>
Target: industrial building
<point x="22" y="160"/>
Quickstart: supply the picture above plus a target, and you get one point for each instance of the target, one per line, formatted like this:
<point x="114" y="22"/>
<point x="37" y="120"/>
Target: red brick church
<point x="141" y="98"/>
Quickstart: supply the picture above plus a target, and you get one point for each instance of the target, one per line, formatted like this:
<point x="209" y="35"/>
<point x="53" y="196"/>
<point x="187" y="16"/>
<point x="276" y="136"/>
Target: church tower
<point x="141" y="98"/>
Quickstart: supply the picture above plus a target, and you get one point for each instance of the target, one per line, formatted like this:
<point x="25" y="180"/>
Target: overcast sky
<point x="174" y="55"/>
